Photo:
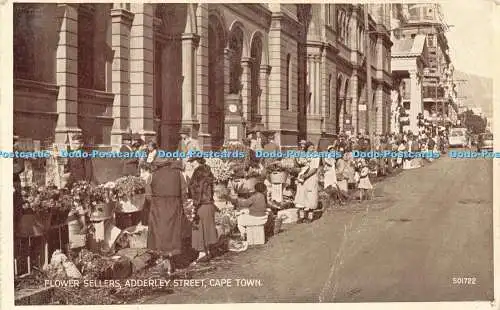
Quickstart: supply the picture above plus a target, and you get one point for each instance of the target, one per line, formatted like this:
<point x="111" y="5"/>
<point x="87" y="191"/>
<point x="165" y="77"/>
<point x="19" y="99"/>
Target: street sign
<point x="362" y="107"/>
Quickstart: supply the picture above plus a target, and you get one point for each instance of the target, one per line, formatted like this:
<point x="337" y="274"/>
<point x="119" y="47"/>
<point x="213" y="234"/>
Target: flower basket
<point x="33" y="224"/>
<point x="131" y="204"/>
<point x="278" y="222"/>
<point x="278" y="177"/>
<point x="102" y="211"/>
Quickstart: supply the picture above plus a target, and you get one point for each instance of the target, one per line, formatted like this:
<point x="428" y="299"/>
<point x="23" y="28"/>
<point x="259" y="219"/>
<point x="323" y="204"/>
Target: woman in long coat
<point x="166" y="213"/>
<point x="306" y="198"/>
<point x="201" y="191"/>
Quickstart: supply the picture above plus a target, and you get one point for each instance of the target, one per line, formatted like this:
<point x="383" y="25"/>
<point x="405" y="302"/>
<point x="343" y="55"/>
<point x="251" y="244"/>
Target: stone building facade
<point x="108" y="69"/>
<point x="422" y="68"/>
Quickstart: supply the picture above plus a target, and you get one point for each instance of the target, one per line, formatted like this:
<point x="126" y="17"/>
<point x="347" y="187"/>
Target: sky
<point x="471" y="37"/>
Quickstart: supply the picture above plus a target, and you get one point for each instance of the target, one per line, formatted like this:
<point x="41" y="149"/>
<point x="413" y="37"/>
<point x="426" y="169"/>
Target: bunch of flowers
<point x="285" y="164"/>
<point x="220" y="169"/>
<point x="235" y="147"/>
<point x="43" y="199"/>
<point x="288" y="164"/>
<point x="128" y="186"/>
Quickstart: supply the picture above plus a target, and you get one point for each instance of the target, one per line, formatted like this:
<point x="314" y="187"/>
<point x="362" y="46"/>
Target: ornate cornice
<point x="96" y="96"/>
<point x="36" y="86"/>
<point x="123" y="15"/>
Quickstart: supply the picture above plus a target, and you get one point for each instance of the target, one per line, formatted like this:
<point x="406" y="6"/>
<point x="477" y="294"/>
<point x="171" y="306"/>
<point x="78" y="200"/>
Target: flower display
<point x="220" y="169"/>
<point x="43" y="199"/>
<point x="128" y="186"/>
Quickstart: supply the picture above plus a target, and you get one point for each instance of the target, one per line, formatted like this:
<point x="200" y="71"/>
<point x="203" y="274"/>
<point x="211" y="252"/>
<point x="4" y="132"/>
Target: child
<point x="364" y="185"/>
<point x="254" y="209"/>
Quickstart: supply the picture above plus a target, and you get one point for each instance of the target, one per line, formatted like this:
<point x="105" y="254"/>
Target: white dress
<point x="330" y="173"/>
<point x="364" y="180"/>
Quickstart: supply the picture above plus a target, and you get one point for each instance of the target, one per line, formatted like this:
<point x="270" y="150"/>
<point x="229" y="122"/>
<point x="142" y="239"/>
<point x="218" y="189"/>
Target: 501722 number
<point x="464" y="281"/>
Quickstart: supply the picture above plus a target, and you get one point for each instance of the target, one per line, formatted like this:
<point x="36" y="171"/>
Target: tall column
<point x="227" y="70"/>
<point x="120" y="38"/>
<point x="310" y="82"/>
<point x="246" y="81"/>
<point x="263" y="110"/>
<point x="353" y="84"/>
<point x="141" y="71"/>
<point x="67" y="74"/>
<point x="339" y="108"/>
<point x="415" y="101"/>
<point x="379" y="114"/>
<point x="189" y="44"/>
<point x="317" y="82"/>
<point x="202" y="97"/>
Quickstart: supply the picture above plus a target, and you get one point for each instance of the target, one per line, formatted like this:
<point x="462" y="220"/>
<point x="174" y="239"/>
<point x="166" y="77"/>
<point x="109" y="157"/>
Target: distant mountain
<point x="478" y="91"/>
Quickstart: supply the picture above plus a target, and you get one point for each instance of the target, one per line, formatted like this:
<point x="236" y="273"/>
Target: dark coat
<point x="130" y="165"/>
<point x="166" y="214"/>
<point x="79" y="169"/>
<point x="201" y="190"/>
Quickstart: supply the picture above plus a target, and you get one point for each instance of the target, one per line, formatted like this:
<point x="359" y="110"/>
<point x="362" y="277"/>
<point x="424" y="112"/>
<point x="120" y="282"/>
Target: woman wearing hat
<point x="166" y="211"/>
<point x="201" y="185"/>
<point x="306" y="198"/>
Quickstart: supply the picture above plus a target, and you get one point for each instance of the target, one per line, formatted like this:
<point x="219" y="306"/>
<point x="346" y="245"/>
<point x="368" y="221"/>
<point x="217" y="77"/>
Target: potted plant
<point x="130" y="192"/>
<point x="37" y="207"/>
<point x="95" y="202"/>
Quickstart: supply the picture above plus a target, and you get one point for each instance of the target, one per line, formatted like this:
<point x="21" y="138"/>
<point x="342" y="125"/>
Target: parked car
<point x="458" y="137"/>
<point x="485" y="142"/>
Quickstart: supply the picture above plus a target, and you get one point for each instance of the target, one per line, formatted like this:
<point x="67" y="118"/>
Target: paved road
<point x="424" y="228"/>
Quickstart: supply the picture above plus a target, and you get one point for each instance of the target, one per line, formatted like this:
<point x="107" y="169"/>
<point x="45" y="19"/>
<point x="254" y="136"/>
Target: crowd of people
<point x="172" y="183"/>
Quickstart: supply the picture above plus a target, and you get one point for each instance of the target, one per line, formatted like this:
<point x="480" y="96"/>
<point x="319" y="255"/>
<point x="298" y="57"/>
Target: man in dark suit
<point x="130" y="165"/>
<point x="78" y="169"/>
<point x="271" y="146"/>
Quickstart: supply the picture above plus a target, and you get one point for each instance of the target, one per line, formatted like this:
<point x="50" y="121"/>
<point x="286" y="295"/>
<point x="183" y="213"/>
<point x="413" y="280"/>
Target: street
<point x="424" y="228"/>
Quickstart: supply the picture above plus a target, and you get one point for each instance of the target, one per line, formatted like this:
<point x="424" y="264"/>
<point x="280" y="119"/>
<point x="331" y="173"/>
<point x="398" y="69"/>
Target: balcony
<point x="429" y="92"/>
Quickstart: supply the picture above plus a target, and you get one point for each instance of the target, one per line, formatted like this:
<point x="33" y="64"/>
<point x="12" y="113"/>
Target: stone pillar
<point x="67" y="74"/>
<point x="379" y="110"/>
<point x="189" y="44"/>
<point x="415" y="101"/>
<point x="202" y="99"/>
<point x="353" y="84"/>
<point x="121" y="23"/>
<point x="246" y="82"/>
<point x="141" y="71"/>
<point x="314" y="114"/>
<point x="227" y="70"/>
<point x="265" y="71"/>
<point x="340" y="102"/>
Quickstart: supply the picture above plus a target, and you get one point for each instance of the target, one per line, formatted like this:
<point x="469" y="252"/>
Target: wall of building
<point x="107" y="69"/>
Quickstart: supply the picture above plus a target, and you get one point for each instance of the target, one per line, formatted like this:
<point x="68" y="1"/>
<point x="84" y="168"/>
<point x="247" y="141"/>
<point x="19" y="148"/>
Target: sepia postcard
<point x="249" y="153"/>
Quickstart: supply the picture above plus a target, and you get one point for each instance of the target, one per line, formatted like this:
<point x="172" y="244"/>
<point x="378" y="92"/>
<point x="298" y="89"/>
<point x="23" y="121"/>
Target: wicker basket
<point x="134" y="204"/>
<point x="278" y="222"/>
<point x="103" y="211"/>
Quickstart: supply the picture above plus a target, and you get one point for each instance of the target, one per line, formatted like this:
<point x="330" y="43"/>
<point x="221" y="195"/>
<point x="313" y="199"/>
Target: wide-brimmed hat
<point x="330" y="148"/>
<point x="77" y="137"/>
<point x="127" y="137"/>
<point x="160" y="162"/>
<point x="201" y="160"/>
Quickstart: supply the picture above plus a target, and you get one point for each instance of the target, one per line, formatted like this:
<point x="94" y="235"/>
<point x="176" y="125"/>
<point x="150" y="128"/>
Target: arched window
<point x="288" y="81"/>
